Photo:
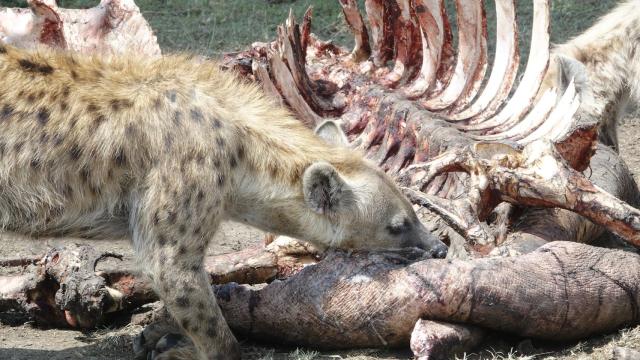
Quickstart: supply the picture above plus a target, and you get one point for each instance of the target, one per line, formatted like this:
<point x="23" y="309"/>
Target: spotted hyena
<point x="163" y="150"/>
<point x="608" y="55"/>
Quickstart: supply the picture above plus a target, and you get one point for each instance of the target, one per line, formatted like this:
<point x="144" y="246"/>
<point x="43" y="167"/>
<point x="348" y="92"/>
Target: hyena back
<point x="610" y="56"/>
<point x="163" y="150"/>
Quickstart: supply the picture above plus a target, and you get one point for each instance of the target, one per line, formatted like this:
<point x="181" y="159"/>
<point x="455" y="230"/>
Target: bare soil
<point x="22" y="342"/>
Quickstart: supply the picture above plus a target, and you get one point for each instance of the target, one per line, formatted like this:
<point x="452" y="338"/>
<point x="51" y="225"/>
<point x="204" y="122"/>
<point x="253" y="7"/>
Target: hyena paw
<point x="178" y="347"/>
<point x="156" y="338"/>
<point x="173" y="347"/>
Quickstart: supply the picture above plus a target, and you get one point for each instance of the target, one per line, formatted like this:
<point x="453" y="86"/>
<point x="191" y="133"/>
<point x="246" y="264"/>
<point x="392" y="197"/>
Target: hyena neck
<point x="277" y="208"/>
<point x="609" y="51"/>
<point x="268" y="190"/>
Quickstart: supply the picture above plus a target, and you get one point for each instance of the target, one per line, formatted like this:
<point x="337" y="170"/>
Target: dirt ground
<point x="22" y="342"/>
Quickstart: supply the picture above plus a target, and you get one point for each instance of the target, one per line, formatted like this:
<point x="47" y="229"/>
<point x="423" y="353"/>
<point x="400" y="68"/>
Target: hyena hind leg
<point x="171" y="248"/>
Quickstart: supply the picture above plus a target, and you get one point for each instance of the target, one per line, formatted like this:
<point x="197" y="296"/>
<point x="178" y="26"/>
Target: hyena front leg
<point x="171" y="228"/>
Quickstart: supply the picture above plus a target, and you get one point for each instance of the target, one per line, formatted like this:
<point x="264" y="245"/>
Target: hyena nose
<point x="440" y="252"/>
<point x="436" y="248"/>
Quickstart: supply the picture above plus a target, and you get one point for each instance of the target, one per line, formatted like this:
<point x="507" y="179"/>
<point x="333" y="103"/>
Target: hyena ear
<point x="568" y="69"/>
<point x="331" y="132"/>
<point x="325" y="191"/>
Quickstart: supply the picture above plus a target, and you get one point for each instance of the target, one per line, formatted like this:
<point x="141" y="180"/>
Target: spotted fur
<point x="163" y="150"/>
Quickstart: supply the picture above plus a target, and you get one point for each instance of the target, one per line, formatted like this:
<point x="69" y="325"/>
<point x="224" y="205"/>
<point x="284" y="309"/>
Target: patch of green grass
<point x="212" y="27"/>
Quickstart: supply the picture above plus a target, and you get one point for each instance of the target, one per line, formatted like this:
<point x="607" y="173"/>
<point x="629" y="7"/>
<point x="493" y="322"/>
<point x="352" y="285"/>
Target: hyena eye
<point x="399" y="227"/>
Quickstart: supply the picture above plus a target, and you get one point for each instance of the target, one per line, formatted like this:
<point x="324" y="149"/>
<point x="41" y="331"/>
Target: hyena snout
<point x="427" y="241"/>
<point x="440" y="251"/>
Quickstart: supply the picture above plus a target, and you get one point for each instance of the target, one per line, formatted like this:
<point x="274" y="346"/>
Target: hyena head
<point x="364" y="207"/>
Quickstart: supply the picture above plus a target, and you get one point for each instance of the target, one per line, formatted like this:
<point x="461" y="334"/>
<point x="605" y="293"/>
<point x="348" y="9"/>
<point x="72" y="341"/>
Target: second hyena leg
<point x="170" y="248"/>
<point x="182" y="284"/>
<point x="191" y="302"/>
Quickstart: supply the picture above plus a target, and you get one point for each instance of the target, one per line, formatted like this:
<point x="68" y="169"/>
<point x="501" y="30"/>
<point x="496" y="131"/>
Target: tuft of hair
<point x="608" y="49"/>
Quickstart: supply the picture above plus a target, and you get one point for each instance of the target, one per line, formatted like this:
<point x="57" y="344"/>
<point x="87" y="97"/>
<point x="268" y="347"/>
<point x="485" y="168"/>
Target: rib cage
<point x="430" y="103"/>
<point x="427" y="80"/>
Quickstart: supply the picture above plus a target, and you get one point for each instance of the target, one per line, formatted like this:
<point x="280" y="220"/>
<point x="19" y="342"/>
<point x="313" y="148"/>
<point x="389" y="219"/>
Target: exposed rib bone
<point x="461" y="215"/>
<point x="505" y="66"/>
<point x="522" y="99"/>
<point x="560" y="118"/>
<point x="407" y="52"/>
<point x="287" y="85"/>
<point x="430" y="18"/>
<point x="290" y="45"/>
<point x="471" y="63"/>
<point x="447" y="58"/>
<point x="50" y="3"/>
<point x="477" y="77"/>
<point x="380" y="13"/>
<point x="262" y="75"/>
<point x="538" y="115"/>
<point x="362" y="49"/>
<point x="305" y="31"/>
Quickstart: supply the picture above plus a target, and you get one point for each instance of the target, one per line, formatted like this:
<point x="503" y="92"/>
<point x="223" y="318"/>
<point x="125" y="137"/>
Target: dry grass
<point x="113" y="338"/>
<point x="601" y="348"/>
